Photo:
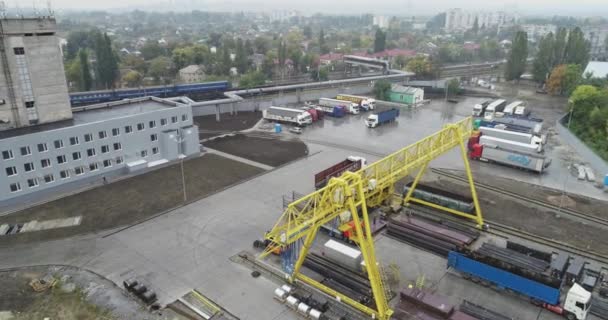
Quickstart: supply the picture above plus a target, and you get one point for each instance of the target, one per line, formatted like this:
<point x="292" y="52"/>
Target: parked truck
<point x="336" y="112"/>
<point x="534" y="123"/>
<point x="315" y="114"/>
<point x="351" y="107"/>
<point x="352" y="163"/>
<point x="510" y="127"/>
<point x="489" y="150"/>
<point x="510" y="108"/>
<point x="495" y="107"/>
<point x="381" y="118"/>
<point x="513" y="136"/>
<point x="365" y="103"/>
<point x="575" y="306"/>
<point x="297" y="117"/>
<point x="480" y="108"/>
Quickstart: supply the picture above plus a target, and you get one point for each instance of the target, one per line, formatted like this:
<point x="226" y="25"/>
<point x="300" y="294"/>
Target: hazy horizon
<point x="394" y="7"/>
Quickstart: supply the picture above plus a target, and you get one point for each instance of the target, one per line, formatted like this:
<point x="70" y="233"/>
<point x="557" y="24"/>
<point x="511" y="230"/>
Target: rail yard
<point x="393" y="221"/>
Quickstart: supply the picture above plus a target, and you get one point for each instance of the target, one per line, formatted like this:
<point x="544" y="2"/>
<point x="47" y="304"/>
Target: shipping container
<point x="351" y="163"/>
<point x="342" y="254"/>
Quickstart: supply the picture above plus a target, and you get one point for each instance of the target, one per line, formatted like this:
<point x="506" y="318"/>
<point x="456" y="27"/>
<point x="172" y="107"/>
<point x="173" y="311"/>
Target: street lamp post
<point x="561" y="201"/>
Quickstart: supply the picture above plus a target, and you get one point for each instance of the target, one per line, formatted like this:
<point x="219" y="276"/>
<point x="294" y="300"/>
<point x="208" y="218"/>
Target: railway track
<point x="574" y="213"/>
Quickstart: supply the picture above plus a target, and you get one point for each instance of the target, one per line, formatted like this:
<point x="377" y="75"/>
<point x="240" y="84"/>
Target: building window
<point x="119" y="160"/>
<point x="117" y="146"/>
<point x="107" y="163"/>
<point x="64" y="174"/>
<point x="152" y="124"/>
<point x="140" y="126"/>
<point x="88" y="137"/>
<point x="15" y="187"/>
<point x="184" y="117"/>
<point x="45" y="163"/>
<point x="155" y="150"/>
<point x="144" y="153"/>
<point x="163" y="121"/>
<point x="49" y="178"/>
<point x="103" y="134"/>
<point x="79" y="170"/>
<point x="93" y="166"/>
<point x="174" y="119"/>
<point x="76" y="156"/>
<point x="29" y="104"/>
<point x="29" y="167"/>
<point x="11" y="171"/>
<point x="105" y="149"/>
<point x="115" y="132"/>
<point x="19" y="50"/>
<point x="154" y="137"/>
<point x="58" y="144"/>
<point x="42" y="147"/>
<point x="26" y="151"/>
<point x="73" y="141"/>
<point x="32" y="183"/>
<point x="91" y="152"/>
<point x="128" y="129"/>
<point x="61" y="159"/>
<point x="7" y="154"/>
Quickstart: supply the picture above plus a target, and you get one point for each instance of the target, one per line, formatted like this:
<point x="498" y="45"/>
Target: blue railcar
<point x="90" y="97"/>
<point x="504" y="279"/>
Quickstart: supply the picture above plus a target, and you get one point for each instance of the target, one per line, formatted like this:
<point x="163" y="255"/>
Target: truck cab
<point x="368" y="104"/>
<point x="353" y="108"/>
<point x="304" y="118"/>
<point x="372" y="121"/>
<point x="480" y="108"/>
<point x="577" y="303"/>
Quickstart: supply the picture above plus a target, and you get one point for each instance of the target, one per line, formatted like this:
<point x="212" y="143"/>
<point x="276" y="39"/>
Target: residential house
<point x="192" y="74"/>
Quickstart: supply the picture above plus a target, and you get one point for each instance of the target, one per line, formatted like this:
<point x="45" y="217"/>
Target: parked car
<point x="297" y="130"/>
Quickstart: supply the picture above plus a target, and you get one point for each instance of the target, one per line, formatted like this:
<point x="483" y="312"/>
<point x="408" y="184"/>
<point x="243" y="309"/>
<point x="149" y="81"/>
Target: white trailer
<point x="536" y="125"/>
<point x="510" y="108"/>
<point x="351" y="107"/>
<point x="496" y="106"/>
<point x="343" y="255"/>
<point x="364" y="102"/>
<point x="528" y="161"/>
<point x="509" y="145"/>
<point x="512" y="135"/>
<point x="294" y="116"/>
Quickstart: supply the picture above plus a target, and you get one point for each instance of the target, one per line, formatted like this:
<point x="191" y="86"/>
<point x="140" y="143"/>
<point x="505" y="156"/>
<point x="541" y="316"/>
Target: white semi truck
<point x="297" y="117"/>
<point x="351" y="107"/>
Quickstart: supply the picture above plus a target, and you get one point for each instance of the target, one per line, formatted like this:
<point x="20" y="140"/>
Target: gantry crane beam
<point x="352" y="193"/>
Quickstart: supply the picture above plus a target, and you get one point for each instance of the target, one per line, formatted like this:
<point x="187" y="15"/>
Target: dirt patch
<point x="522" y="216"/>
<point x="267" y="150"/>
<point x="209" y="127"/>
<point x="130" y="200"/>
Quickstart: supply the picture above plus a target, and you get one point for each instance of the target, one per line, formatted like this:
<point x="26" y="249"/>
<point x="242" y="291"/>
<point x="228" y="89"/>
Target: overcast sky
<point x="396" y="7"/>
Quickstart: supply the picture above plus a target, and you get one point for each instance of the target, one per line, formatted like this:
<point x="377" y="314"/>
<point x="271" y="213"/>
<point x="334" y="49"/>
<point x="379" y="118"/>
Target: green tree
<point x="320" y="74"/>
<point x="226" y="62"/>
<point x="107" y="64"/>
<point x="382" y="90"/>
<point x="268" y="64"/>
<point x="475" y="28"/>
<point x="151" y="50"/>
<point x="76" y="41"/>
<point x="73" y="74"/>
<point x="577" y="48"/>
<point x="252" y="79"/>
<point x="86" y="82"/>
<point x="516" y="63"/>
<point x="489" y="49"/>
<point x="559" y="46"/>
<point x="421" y="66"/>
<point x="181" y="57"/>
<point x="323" y="48"/>
<point x="132" y="79"/>
<point x="241" y="59"/>
<point x="400" y="62"/>
<point x="159" y="68"/>
<point x="564" y="79"/>
<point x="453" y="86"/>
<point x="134" y="62"/>
<point x="379" y="41"/>
<point x="261" y="44"/>
<point x="307" y="32"/>
<point x="543" y="62"/>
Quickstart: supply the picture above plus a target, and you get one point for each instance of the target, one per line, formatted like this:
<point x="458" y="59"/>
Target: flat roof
<point x="96" y="113"/>
<point x="598" y="69"/>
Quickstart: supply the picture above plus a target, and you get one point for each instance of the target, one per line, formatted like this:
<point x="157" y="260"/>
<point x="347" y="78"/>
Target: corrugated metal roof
<point x="402" y="89"/>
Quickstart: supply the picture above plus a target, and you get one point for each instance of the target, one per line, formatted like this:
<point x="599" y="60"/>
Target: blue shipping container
<point x="504" y="279"/>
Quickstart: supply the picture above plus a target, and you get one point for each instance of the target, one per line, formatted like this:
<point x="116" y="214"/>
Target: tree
<point x="76" y="41"/>
<point x="489" y="49"/>
<point x="181" y="57"/>
<point x="73" y="74"/>
<point x="107" y="64"/>
<point x="453" y="86"/>
<point x="132" y="79"/>
<point x="268" y="64"/>
<point x="400" y="61"/>
<point x="543" y="62"/>
<point x="559" y="46"/>
<point x="379" y="41"/>
<point x="421" y="66"/>
<point x="134" y="62"/>
<point x="86" y="82"/>
<point x="252" y="79"/>
<point x="564" y="79"/>
<point x="577" y="48"/>
<point x="159" y="68"/>
<point x="323" y="48"/>
<point x="151" y="50"/>
<point x="241" y="59"/>
<point x="516" y="63"/>
<point x="321" y="74"/>
<point x="261" y="45"/>
<point x="382" y="90"/>
<point x="307" y="32"/>
<point x="475" y="28"/>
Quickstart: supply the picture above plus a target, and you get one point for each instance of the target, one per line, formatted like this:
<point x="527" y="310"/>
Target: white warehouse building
<point x="104" y="140"/>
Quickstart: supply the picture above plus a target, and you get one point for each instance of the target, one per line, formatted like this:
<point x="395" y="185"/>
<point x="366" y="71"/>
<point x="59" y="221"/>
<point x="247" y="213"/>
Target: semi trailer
<point x="534" y="123"/>
<point x="495" y="107"/>
<point x="492" y="153"/>
<point x="365" y="103"/>
<point x="351" y="107"/>
<point x="352" y="163"/>
<point x="336" y="112"/>
<point x="574" y="306"/>
<point x="520" y="137"/>
<point x="381" y="118"/>
<point x="297" y="117"/>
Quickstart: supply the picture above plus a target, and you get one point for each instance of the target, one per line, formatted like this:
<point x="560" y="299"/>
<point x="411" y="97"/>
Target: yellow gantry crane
<point x="352" y="193"/>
